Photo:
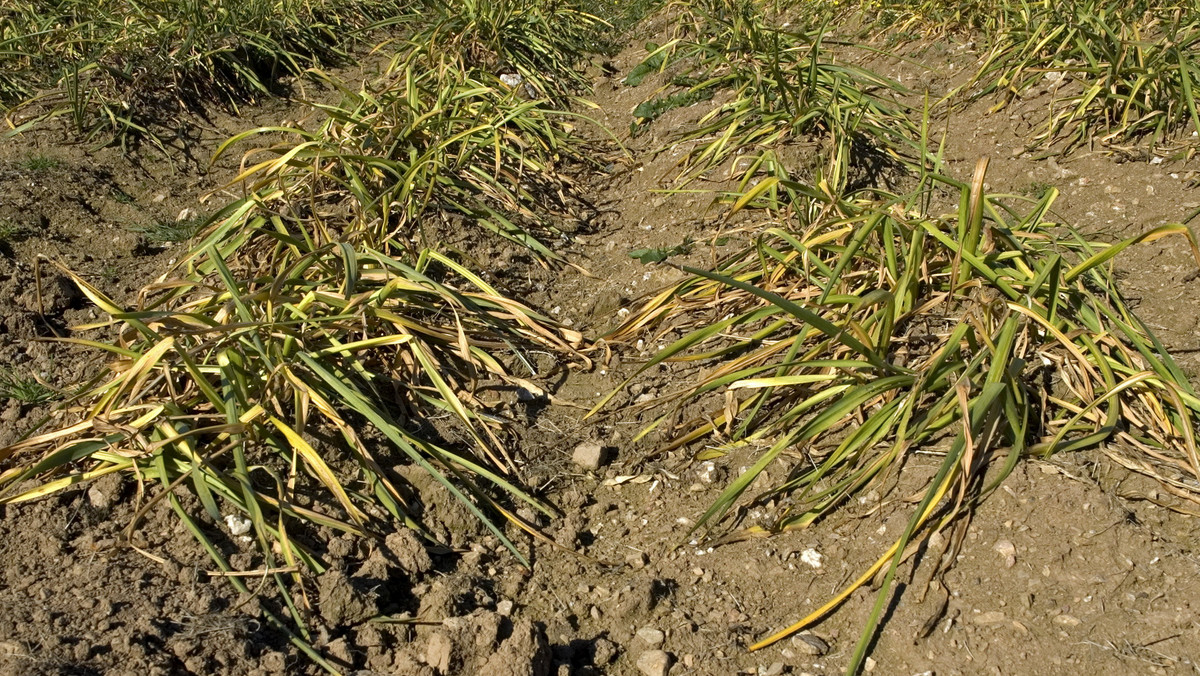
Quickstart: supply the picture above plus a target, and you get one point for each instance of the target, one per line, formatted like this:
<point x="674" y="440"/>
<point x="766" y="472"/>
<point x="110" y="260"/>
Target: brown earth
<point x="1069" y="569"/>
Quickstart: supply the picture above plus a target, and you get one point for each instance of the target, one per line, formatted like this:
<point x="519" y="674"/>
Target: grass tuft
<point x="172" y="231"/>
<point x="25" y="389"/>
<point x="11" y="232"/>
<point x="40" y="163"/>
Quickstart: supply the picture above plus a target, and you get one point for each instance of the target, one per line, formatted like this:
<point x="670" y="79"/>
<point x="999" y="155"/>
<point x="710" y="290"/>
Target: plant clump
<point x="848" y="340"/>
<point x="782" y="87"/>
<point x="312" y="341"/>
<point x="119" y="69"/>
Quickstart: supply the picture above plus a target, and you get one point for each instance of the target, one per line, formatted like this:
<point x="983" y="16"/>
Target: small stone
<point x="650" y="636"/>
<point x="504" y="607"/>
<point x="992" y="617"/>
<point x="810" y="644"/>
<point x="812" y="557"/>
<point x="1007" y="550"/>
<point x="97" y="499"/>
<point x="774" y="670"/>
<point x="1067" y="620"/>
<point x="238" y="525"/>
<point x="869" y="664"/>
<point x="589" y="455"/>
<point x="637" y="560"/>
<point x="654" y="663"/>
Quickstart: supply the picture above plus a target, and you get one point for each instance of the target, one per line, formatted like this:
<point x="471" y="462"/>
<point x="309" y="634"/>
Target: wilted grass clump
<point x="1121" y="71"/>
<point x="433" y="137"/>
<point x="122" y="67"/>
<point x="310" y="308"/>
<point x="911" y="19"/>
<point x="1118" y="72"/>
<point x="313" y="340"/>
<point x="539" y="42"/>
<point x="782" y="85"/>
<point x="852" y="339"/>
<point x="166" y="231"/>
<point x="300" y="373"/>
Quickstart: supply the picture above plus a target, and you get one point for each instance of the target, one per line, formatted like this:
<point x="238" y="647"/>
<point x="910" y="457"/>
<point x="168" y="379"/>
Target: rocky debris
<point x="812" y="557"/>
<point x="1067" y="620"/>
<point x="1008" y="550"/>
<point x="654" y="663"/>
<point x="637" y="560"/>
<point x="992" y="617"/>
<point x="650" y="636"/>
<point x="810" y="644"/>
<point x="590" y="455"/>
